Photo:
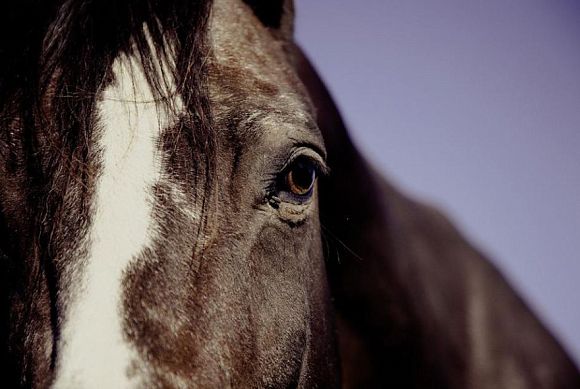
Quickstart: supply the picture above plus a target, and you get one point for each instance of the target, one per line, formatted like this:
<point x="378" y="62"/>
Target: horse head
<point x="181" y="206"/>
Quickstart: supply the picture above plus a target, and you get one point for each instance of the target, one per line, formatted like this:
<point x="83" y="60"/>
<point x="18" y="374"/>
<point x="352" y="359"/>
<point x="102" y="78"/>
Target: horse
<point x="181" y="206"/>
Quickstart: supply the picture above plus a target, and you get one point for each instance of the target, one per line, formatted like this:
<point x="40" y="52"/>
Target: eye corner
<point x="323" y="169"/>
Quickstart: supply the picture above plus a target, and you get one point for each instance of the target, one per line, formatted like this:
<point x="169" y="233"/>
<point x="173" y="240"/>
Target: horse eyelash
<point x="310" y="153"/>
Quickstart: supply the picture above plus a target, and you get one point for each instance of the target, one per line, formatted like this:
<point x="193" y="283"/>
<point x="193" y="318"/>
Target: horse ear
<point x="416" y="305"/>
<point x="277" y="15"/>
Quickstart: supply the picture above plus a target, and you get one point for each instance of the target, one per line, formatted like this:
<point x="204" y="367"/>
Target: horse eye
<point x="300" y="177"/>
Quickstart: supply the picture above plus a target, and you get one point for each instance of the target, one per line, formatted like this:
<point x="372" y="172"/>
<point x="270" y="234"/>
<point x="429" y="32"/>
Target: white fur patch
<point x="93" y="351"/>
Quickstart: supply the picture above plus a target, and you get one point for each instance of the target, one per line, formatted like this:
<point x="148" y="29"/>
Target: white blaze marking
<point x="93" y="351"/>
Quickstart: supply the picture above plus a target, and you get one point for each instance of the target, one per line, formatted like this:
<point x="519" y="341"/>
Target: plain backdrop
<point x="473" y="106"/>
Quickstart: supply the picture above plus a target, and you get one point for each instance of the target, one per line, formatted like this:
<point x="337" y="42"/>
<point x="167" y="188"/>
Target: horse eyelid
<point x="313" y="155"/>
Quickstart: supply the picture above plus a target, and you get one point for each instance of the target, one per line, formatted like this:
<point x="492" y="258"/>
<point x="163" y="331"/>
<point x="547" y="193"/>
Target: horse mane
<point x="80" y="39"/>
<point x="56" y="56"/>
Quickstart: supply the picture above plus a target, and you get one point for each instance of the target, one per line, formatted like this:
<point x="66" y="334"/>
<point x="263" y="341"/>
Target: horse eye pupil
<point x="301" y="179"/>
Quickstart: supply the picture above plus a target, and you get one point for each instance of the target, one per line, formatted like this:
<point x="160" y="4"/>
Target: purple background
<point x="474" y="106"/>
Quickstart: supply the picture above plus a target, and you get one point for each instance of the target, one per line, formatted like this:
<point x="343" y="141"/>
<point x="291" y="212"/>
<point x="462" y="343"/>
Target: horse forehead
<point x="239" y="41"/>
<point x="251" y="76"/>
<point x="94" y="351"/>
